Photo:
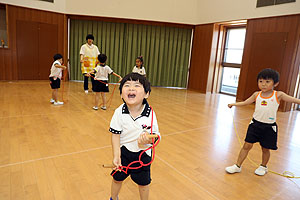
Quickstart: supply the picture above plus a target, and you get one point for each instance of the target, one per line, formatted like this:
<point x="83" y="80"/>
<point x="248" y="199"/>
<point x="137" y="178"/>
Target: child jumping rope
<point x="139" y="68"/>
<point x="55" y="76"/>
<point x="130" y="126"/>
<point x="101" y="81"/>
<point x="263" y="127"/>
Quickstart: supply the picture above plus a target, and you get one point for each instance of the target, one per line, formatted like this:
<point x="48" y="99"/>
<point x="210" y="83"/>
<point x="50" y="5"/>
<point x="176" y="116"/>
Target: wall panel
<point x="200" y="59"/>
<point x="288" y="67"/>
<point x="14" y="13"/>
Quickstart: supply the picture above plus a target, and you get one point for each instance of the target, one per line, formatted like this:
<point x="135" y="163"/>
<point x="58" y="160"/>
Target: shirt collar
<point x="90" y="46"/>
<point x="146" y="112"/>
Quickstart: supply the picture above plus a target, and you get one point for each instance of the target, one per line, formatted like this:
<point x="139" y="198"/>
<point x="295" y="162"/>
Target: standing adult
<point x="88" y="59"/>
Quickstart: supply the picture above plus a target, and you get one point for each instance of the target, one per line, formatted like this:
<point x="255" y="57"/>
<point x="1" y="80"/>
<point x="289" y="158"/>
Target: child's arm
<point x="117" y="75"/>
<point x="91" y="72"/>
<point x="248" y="101"/>
<point x="283" y="96"/>
<point x="115" y="141"/>
<point x="60" y="66"/>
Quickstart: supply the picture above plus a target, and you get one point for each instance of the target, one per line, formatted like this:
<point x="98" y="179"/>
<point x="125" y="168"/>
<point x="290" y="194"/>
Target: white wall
<point x="227" y="10"/>
<point x="177" y="11"/>
<point x="58" y="5"/>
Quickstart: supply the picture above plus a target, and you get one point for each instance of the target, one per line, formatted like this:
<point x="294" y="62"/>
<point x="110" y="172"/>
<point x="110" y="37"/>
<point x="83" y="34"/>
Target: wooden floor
<point x="53" y="152"/>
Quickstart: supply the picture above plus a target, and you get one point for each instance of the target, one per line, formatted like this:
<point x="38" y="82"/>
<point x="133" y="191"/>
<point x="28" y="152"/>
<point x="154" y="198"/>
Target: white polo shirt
<point x="141" y="71"/>
<point x="130" y="129"/>
<point x="55" y="71"/>
<point x="102" y="72"/>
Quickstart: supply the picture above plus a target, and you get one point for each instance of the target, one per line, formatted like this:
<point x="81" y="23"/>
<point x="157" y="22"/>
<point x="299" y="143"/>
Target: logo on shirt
<point x="264" y="103"/>
<point x="144" y="126"/>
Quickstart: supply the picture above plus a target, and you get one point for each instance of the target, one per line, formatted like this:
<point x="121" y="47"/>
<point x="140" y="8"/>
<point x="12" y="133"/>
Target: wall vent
<point x="51" y="1"/>
<point x="262" y="3"/>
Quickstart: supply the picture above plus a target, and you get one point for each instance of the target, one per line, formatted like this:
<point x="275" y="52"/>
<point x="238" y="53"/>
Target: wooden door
<point x="36" y="45"/>
<point x="48" y="46"/>
<point x="27" y="50"/>
<point x="267" y="51"/>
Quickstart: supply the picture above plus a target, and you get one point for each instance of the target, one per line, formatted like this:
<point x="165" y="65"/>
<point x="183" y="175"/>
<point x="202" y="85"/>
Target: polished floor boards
<point x="52" y="152"/>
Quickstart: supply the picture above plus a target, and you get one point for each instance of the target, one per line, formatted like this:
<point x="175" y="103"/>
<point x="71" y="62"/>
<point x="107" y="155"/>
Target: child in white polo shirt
<point x="55" y="76"/>
<point x="101" y="81"/>
<point x="263" y="127"/>
<point x="129" y="136"/>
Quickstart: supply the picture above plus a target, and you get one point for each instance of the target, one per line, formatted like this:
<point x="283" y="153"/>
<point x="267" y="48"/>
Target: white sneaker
<point x="233" y="169"/>
<point x="57" y="103"/>
<point x="103" y="107"/>
<point x="52" y="100"/>
<point x="86" y="91"/>
<point x="261" y="170"/>
<point x="95" y="107"/>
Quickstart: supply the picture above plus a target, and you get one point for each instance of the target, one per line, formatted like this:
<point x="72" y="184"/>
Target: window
<point x="232" y="59"/>
<point x="3" y="27"/>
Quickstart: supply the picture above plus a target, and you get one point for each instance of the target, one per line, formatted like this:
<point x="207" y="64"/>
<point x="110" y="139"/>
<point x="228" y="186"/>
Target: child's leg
<point x="144" y="192"/>
<point x="97" y="99"/>
<point x="243" y="153"/>
<point x="115" y="188"/>
<point x="55" y="94"/>
<point x="103" y="99"/>
<point x="265" y="156"/>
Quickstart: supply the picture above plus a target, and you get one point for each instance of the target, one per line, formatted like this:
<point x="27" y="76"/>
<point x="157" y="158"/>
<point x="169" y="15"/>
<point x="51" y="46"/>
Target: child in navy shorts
<point x="100" y="85"/>
<point x="55" y="77"/>
<point x="130" y="127"/>
<point x="263" y="127"/>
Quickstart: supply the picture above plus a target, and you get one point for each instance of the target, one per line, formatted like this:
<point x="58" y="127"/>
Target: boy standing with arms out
<point x="129" y="136"/>
<point x="101" y="81"/>
<point x="55" y="76"/>
<point x="263" y="127"/>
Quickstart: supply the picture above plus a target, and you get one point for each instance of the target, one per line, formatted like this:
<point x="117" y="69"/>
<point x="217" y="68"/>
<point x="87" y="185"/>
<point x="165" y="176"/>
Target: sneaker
<point x="86" y="91"/>
<point x="233" y="169"/>
<point x="95" y="107"/>
<point x="112" y="199"/>
<point x="261" y="170"/>
<point x="103" y="107"/>
<point x="52" y="100"/>
<point x="56" y="103"/>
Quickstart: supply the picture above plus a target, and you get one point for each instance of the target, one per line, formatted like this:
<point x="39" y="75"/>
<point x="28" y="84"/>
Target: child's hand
<point x="230" y="105"/>
<point x="117" y="163"/>
<point x="143" y="139"/>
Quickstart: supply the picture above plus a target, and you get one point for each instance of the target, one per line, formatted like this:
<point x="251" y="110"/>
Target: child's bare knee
<point x="265" y="150"/>
<point x="117" y="182"/>
<point x="247" y="146"/>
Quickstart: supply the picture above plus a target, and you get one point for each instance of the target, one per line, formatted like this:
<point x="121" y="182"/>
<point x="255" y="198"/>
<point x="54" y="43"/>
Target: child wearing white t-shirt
<point x="101" y="81"/>
<point x="55" y="77"/>
<point x="139" y="68"/>
<point x="130" y="127"/>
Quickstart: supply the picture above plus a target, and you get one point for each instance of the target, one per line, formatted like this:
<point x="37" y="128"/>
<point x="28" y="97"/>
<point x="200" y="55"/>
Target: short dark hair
<point x="102" y="58"/>
<point x="57" y="57"/>
<point x="136" y="77"/>
<point x="268" y="73"/>
<point x="89" y="36"/>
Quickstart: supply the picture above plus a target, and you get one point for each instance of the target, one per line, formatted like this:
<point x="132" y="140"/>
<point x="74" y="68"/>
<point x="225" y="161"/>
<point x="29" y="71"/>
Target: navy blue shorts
<point x="265" y="134"/>
<point x="140" y="176"/>
<point x="100" y="86"/>
<point x="55" y="84"/>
